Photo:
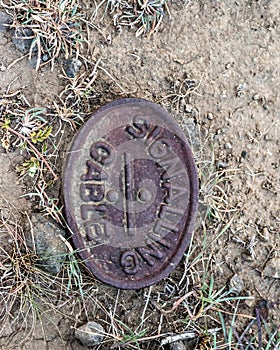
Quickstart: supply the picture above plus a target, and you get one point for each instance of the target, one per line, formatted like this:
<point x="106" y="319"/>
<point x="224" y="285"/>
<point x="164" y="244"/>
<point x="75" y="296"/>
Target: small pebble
<point x="236" y="284"/>
<point x="242" y="87"/>
<point x="272" y="268"/>
<point x="178" y="345"/>
<point x="227" y="66"/>
<point x="72" y="67"/>
<point x="222" y="165"/>
<point x="244" y="154"/>
<point x="219" y="131"/>
<point x="210" y="116"/>
<point x="228" y="145"/>
<point x="256" y="97"/>
<point x="34" y="60"/>
<point x="90" y="334"/>
<point x="45" y="57"/>
<point x="267" y="185"/>
<point x="5" y="21"/>
<point x="249" y="302"/>
<point x="247" y="258"/>
<point x="188" y="108"/>
<point x="46" y="239"/>
<point x="264" y="234"/>
<point x="258" y="221"/>
<point x="266" y="107"/>
<point x="23" y="39"/>
<point x="224" y="95"/>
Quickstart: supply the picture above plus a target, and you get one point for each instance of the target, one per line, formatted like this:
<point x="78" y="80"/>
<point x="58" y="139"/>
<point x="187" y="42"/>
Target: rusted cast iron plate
<point x="131" y="193"/>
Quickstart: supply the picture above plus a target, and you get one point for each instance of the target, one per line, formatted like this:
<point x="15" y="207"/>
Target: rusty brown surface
<point x="130" y="193"/>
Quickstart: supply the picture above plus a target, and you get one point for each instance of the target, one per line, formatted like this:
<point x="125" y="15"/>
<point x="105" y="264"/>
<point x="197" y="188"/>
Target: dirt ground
<point x="229" y="50"/>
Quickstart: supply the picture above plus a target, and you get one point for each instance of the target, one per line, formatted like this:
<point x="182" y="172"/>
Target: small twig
<point x="38" y="154"/>
<point x="16" y="61"/>
<point x="186" y="335"/>
<point x="113" y="79"/>
<point x="93" y="74"/>
<point x="146" y="305"/>
<point x="178" y="302"/>
<point x="152" y="337"/>
<point x="230" y="313"/>
<point x="32" y="233"/>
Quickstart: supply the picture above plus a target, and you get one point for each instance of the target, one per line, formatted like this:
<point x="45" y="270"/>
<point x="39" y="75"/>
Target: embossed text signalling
<point x="94" y="198"/>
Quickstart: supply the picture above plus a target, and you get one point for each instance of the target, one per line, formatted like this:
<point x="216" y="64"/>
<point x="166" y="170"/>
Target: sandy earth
<point x="230" y="49"/>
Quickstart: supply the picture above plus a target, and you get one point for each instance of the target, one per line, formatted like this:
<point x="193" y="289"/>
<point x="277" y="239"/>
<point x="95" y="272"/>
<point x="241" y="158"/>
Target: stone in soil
<point x="5" y="21"/>
<point x="178" y="345"/>
<point x="272" y="268"/>
<point x="90" y="334"/>
<point x="192" y="133"/>
<point x="72" y="67"/>
<point x="23" y="38"/>
<point x="34" y="60"/>
<point x="236" y="284"/>
<point x="188" y="108"/>
<point x="44" y="236"/>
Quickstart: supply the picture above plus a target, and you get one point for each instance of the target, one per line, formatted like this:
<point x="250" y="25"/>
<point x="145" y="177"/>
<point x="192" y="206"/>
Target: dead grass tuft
<point x="28" y="294"/>
<point x="143" y="16"/>
<point x="52" y="27"/>
<point x="24" y="288"/>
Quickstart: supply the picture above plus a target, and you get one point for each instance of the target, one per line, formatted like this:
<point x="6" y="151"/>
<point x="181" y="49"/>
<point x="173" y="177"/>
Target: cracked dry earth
<point x="232" y="50"/>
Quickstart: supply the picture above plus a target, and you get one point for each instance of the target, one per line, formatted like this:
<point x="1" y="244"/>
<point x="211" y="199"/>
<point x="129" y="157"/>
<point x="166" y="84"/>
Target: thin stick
<point x="185" y="336"/>
<point x="230" y="313"/>
<point x="114" y="80"/>
<point x="33" y="148"/>
<point x="16" y="61"/>
<point x="146" y="305"/>
<point x="178" y="302"/>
